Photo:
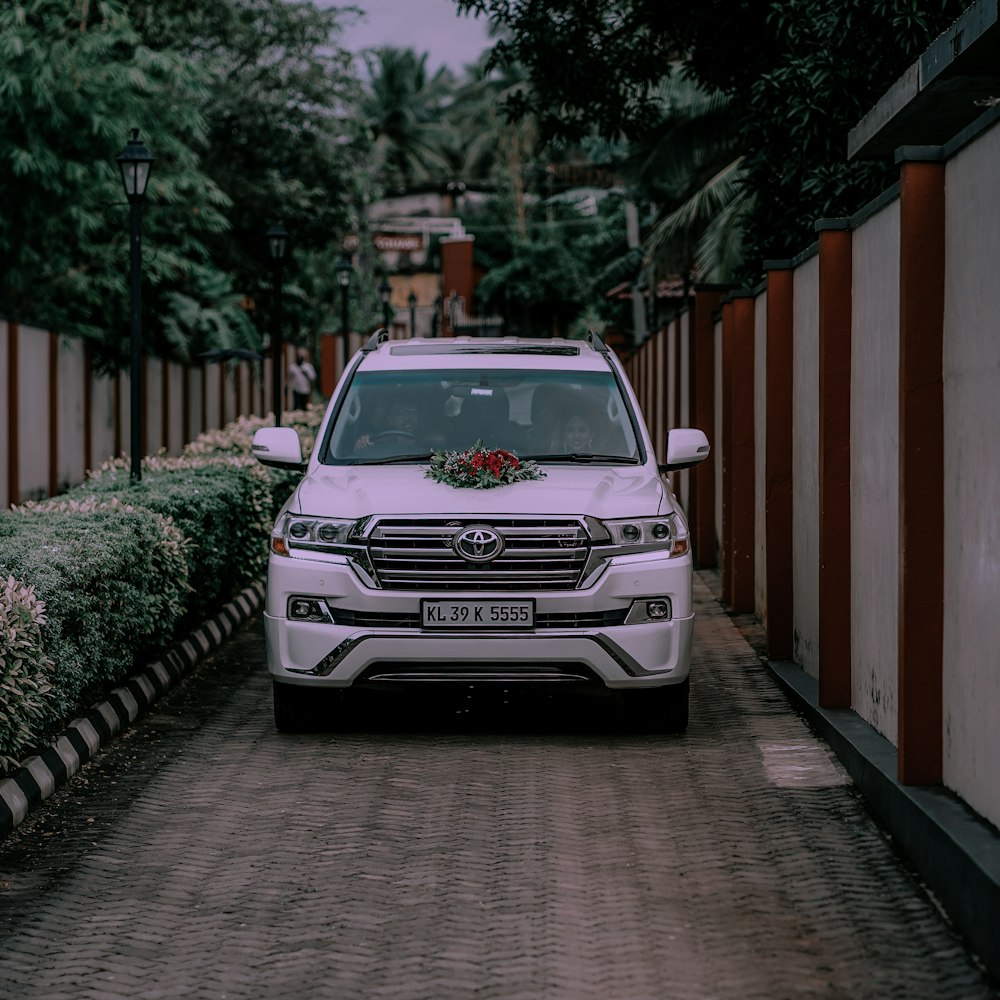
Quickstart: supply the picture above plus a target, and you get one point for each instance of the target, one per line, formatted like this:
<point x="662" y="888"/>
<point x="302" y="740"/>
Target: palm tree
<point x="690" y="167"/>
<point x="404" y="108"/>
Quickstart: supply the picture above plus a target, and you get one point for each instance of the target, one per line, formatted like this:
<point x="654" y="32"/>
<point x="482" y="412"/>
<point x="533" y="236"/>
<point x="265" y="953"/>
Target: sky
<point x="431" y="26"/>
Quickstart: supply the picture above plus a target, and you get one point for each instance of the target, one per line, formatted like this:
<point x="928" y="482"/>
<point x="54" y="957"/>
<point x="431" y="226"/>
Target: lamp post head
<point x="277" y="241"/>
<point x="344" y="271"/>
<point x="411" y="300"/>
<point x="134" y="162"/>
<point x="384" y="291"/>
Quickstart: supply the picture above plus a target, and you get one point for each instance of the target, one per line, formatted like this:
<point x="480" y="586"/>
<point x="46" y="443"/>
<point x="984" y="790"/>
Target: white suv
<point x="380" y="575"/>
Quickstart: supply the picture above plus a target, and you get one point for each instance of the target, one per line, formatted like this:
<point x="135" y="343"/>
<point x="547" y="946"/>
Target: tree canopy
<point x="797" y="74"/>
<point x="243" y="105"/>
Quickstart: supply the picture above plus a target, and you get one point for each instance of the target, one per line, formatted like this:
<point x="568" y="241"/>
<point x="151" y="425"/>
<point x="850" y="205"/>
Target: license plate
<point x="478" y="614"/>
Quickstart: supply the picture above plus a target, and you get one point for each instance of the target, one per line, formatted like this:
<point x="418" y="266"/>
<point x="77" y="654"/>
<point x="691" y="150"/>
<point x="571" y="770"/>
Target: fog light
<point x="303" y="609"/>
<point x="658" y="609"/>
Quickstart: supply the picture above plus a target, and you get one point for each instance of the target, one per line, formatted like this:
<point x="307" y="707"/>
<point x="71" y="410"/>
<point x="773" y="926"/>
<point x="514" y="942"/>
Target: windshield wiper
<point x="583" y="457"/>
<point x="393" y="459"/>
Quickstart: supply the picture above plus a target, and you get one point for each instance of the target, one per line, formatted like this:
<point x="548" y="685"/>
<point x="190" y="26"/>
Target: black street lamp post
<point x="344" y="272"/>
<point x="385" y="297"/>
<point x="135" y="162"/>
<point x="411" y="301"/>
<point x="277" y="244"/>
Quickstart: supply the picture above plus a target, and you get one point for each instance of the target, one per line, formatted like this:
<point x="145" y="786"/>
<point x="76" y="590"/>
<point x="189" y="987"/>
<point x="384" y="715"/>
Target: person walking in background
<point x="302" y="375"/>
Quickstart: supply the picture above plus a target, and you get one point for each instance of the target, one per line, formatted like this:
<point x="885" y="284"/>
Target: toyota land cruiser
<point x="573" y="568"/>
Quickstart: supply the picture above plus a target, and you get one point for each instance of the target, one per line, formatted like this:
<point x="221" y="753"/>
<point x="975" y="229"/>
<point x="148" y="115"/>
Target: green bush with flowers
<point x="481" y="468"/>
<point x="111" y="573"/>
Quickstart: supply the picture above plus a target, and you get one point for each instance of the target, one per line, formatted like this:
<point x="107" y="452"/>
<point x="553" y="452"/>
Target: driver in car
<point x="402" y="424"/>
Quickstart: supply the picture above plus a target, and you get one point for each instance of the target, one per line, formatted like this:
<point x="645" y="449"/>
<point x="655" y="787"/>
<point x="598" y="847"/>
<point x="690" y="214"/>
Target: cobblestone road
<point x="482" y="850"/>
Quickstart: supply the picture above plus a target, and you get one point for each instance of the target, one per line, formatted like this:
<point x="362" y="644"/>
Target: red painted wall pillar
<point x="835" y="288"/>
<point x="701" y="390"/>
<point x="457" y="274"/>
<point x="921" y="462"/>
<point x="726" y="434"/>
<point x="742" y="491"/>
<point x="778" y="582"/>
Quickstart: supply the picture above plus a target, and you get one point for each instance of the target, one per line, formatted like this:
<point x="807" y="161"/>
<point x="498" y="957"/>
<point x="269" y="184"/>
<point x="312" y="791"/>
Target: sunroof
<point x="446" y="347"/>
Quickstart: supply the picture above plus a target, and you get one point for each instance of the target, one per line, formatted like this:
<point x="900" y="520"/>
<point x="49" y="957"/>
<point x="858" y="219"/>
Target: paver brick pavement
<point x="481" y="848"/>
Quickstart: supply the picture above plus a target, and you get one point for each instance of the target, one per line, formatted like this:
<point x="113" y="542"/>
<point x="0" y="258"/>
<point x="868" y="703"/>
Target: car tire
<point x="294" y="708"/>
<point x="659" y="710"/>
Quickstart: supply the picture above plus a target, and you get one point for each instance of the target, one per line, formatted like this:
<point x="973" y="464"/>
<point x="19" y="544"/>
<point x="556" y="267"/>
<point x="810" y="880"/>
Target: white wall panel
<point x="972" y="477"/>
<point x="4" y="422"/>
<point x="875" y="471"/>
<point x="102" y="421"/>
<point x="805" y="463"/>
<point x="33" y="412"/>
<point x="71" y="375"/>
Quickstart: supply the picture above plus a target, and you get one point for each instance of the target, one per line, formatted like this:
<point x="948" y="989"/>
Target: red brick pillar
<point x="726" y="542"/>
<point x="778" y="460"/>
<point x="742" y="489"/>
<point x="921" y="462"/>
<point x="701" y="398"/>
<point x="457" y="275"/>
<point x="835" y="288"/>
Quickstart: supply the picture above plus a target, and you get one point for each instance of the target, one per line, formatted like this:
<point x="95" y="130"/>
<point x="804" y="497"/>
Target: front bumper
<point x="324" y="654"/>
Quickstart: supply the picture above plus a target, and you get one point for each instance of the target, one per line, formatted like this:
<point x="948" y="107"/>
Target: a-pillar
<point x="741" y="467"/>
<point x="835" y="288"/>
<point x="778" y="583"/>
<point x="457" y="275"/>
<point x="921" y="462"/>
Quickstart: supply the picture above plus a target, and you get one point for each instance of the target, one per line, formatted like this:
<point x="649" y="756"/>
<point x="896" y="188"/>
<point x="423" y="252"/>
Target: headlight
<point x="646" y="534"/>
<point x="317" y="534"/>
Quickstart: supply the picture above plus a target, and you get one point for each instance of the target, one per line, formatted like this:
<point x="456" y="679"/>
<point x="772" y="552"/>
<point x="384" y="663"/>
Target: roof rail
<point x="378" y="338"/>
<point x="596" y="343"/>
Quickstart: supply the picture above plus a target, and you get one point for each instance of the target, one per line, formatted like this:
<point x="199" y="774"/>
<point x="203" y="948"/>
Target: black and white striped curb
<point x="38" y="777"/>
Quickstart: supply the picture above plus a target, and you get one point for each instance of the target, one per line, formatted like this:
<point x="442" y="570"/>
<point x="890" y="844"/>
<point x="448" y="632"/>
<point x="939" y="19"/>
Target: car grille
<point x="539" y="554"/>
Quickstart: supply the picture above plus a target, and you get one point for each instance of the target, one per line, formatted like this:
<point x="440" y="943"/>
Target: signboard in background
<point x="388" y="242"/>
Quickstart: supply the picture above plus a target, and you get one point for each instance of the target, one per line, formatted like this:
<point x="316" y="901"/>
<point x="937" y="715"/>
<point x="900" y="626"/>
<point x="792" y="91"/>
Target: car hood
<point x="353" y="491"/>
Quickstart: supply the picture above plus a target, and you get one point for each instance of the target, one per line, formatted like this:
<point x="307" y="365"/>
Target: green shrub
<point x="25" y="670"/>
<point x="98" y="579"/>
<point x="112" y="579"/>
<point x="235" y="439"/>
<point x="222" y="505"/>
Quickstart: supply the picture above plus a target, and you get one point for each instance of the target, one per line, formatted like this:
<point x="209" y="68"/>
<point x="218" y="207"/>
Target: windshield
<point x="545" y="415"/>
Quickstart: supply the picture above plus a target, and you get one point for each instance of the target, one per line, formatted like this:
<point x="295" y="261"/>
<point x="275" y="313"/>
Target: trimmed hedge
<point x="103" y="578"/>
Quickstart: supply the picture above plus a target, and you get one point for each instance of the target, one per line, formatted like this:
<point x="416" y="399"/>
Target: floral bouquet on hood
<point x="481" y="468"/>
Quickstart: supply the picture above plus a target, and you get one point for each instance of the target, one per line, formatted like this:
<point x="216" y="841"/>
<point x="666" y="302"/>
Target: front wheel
<point x="658" y="710"/>
<point x="294" y="708"/>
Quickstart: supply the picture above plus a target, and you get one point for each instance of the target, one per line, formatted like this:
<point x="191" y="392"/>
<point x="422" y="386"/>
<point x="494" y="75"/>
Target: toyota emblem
<point x="478" y="544"/>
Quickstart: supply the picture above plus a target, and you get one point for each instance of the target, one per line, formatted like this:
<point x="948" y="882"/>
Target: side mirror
<point x="686" y="446"/>
<point x="278" y="447"/>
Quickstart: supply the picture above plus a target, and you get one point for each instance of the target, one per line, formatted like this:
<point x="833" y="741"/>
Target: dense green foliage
<point x="112" y="580"/>
<point x="111" y="573"/>
<point x="798" y="74"/>
<point x="243" y="107"/>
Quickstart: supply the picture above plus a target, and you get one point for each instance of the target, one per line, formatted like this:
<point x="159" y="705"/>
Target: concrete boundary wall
<point x="59" y="417"/>
<point x="889" y="670"/>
